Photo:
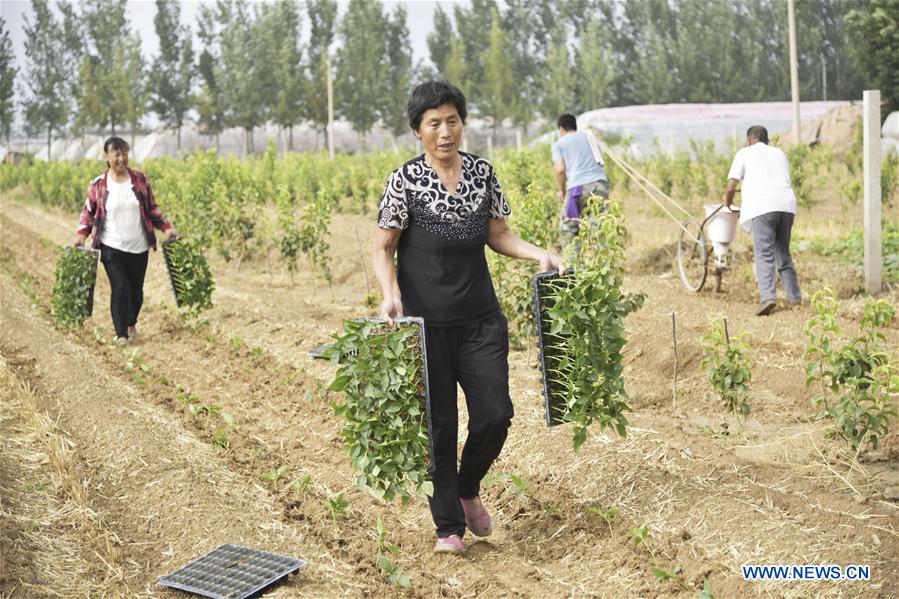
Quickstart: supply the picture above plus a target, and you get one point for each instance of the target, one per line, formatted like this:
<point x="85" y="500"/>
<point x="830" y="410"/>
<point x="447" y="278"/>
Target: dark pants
<point x="126" y="279"/>
<point x="475" y="356"/>
<point x="771" y="241"/>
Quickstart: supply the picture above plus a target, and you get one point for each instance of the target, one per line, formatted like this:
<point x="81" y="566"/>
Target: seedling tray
<point x="548" y="356"/>
<point x="419" y="323"/>
<point x="90" y="297"/>
<point x="232" y="572"/>
<point x="167" y="252"/>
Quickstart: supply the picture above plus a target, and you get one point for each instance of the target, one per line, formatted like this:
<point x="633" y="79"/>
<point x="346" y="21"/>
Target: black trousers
<point x="477" y="357"/>
<point x="126" y="279"/>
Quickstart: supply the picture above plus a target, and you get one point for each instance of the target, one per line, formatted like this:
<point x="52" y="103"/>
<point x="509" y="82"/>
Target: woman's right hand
<point x="79" y="241"/>
<point x="391" y="307"/>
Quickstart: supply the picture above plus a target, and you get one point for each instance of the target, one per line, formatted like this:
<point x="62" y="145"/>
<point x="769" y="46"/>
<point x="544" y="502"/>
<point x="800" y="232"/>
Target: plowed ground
<point x="109" y="482"/>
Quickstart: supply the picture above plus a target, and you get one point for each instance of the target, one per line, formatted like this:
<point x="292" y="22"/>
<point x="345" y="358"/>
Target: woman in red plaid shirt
<point x="122" y="212"/>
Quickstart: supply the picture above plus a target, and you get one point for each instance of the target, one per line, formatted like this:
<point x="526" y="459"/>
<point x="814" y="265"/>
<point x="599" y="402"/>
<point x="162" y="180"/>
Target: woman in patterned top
<point x="438" y="212"/>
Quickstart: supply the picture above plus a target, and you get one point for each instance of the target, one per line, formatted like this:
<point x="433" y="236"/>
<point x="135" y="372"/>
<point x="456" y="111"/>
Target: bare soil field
<point x="108" y="482"/>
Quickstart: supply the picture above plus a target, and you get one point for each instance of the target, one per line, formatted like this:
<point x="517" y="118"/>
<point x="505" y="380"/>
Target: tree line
<point x="519" y="60"/>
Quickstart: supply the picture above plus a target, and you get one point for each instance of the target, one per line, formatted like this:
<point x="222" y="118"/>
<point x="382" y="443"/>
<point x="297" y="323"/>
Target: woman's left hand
<point x="172" y="233"/>
<point x="550" y="262"/>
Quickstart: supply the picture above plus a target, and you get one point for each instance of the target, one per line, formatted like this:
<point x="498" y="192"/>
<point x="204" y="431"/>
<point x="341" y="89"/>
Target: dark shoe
<point x="477" y="518"/>
<point x="766" y="308"/>
<point x="453" y="544"/>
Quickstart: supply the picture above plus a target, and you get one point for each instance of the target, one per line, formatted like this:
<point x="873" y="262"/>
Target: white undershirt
<point x="765" y="173"/>
<point x="123" y="229"/>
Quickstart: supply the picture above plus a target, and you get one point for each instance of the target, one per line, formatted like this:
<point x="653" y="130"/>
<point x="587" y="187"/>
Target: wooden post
<point x="873" y="257"/>
<point x="330" y="109"/>
<point x="794" y="70"/>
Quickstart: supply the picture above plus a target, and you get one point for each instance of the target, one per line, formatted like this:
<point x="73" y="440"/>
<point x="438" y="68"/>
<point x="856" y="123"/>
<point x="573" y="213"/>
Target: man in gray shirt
<point x="579" y="173"/>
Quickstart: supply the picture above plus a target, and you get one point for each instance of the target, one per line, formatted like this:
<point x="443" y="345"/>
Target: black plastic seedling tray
<point x="418" y="322"/>
<point x="232" y="572"/>
<point x="167" y="254"/>
<point x="548" y="356"/>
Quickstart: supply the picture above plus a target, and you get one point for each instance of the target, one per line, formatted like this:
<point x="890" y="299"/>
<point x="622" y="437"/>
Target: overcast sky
<point x="420" y="21"/>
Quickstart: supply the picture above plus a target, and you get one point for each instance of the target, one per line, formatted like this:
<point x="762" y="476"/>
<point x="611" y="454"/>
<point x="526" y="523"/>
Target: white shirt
<point x="765" y="173"/>
<point x="123" y="229"/>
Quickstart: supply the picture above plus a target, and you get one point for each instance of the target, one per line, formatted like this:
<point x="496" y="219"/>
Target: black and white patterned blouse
<point x="415" y="192"/>
<point x="441" y="267"/>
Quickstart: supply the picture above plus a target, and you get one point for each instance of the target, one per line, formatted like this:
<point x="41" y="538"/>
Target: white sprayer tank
<point x="722" y="228"/>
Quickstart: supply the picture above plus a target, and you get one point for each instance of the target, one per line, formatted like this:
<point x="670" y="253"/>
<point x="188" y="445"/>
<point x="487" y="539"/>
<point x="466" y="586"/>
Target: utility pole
<point x="794" y="69"/>
<point x="330" y="109"/>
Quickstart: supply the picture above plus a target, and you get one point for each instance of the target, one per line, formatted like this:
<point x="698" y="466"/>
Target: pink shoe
<point x="477" y="518"/>
<point x="452" y="544"/>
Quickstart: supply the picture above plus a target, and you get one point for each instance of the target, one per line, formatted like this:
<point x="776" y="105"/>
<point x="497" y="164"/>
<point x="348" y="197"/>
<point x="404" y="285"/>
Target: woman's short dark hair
<point x="115" y="143"/>
<point x="567" y="122"/>
<point x="757" y="133"/>
<point x="433" y="94"/>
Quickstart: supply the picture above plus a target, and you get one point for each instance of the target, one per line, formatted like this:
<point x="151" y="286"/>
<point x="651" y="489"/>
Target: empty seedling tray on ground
<point x="548" y="350"/>
<point x="232" y="572"/>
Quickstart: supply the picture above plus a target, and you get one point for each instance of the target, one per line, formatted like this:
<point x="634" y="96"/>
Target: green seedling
<point x="299" y="485"/>
<point x="274" y="475"/>
<point x="220" y="438"/>
<point x="236" y="344"/>
<point x="337" y="506"/>
<point x="728" y="367"/>
<point x="859" y="378"/>
<point x="706" y="590"/>
<point x="187" y="398"/>
<point x="675" y="576"/>
<point x="198" y="409"/>
<point x="607" y="515"/>
<point x="385" y="550"/>
<point x="256" y="352"/>
<point x="640" y="536"/>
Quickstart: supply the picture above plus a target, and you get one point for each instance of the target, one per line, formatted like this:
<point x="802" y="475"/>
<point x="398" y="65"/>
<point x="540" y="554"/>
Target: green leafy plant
<point x="608" y="515"/>
<point x="73" y="288"/>
<point x="707" y="592"/>
<point x="640" y="536"/>
<point x="386" y="549"/>
<point x="337" y="506"/>
<point x="514" y="484"/>
<point x="385" y="431"/>
<point x="859" y="378"/>
<point x="199" y="409"/>
<point x="582" y="316"/>
<point x="729" y="368"/>
<point x="299" y="485"/>
<point x="275" y="474"/>
<point x="191" y="278"/>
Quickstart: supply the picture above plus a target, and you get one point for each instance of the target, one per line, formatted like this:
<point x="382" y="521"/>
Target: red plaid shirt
<point x="94" y="213"/>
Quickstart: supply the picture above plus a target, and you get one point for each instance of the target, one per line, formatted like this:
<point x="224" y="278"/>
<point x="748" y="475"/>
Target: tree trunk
<point x="179" y="138"/>
<point x="49" y="142"/>
<point x="112" y="118"/>
<point x="289" y="139"/>
<point x="132" y="134"/>
<point x="217" y="143"/>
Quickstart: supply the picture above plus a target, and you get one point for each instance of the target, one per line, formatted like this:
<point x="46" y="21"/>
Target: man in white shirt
<point x="768" y="209"/>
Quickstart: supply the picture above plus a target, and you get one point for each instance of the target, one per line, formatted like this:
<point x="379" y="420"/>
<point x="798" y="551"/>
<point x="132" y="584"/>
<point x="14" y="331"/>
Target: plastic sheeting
<point x="670" y="127"/>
